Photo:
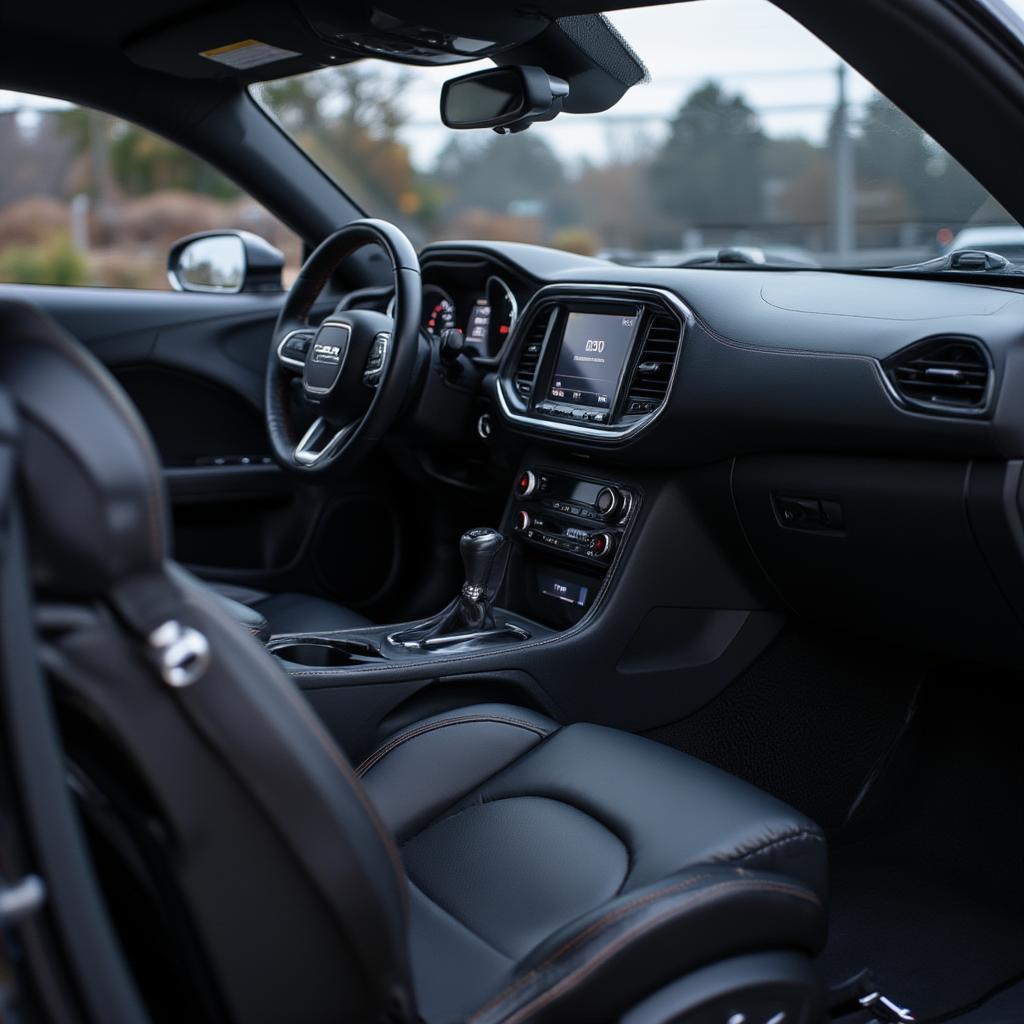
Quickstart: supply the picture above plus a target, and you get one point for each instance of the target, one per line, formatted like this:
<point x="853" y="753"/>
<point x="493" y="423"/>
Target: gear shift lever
<point x="484" y="554"/>
<point x="470" y="617"/>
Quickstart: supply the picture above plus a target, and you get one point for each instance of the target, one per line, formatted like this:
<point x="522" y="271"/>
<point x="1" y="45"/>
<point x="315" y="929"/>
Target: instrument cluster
<point x="485" y="315"/>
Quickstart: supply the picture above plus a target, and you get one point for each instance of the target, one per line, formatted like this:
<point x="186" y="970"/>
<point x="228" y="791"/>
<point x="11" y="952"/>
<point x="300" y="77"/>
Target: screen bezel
<point x="557" y="339"/>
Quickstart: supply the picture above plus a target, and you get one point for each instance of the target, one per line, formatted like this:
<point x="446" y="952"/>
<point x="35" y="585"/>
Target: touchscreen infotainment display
<point x="594" y="350"/>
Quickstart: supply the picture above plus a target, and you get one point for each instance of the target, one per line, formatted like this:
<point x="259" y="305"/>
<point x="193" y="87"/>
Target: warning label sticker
<point x="249" y="53"/>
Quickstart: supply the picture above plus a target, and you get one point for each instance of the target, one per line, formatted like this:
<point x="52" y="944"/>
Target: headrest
<point x="90" y="476"/>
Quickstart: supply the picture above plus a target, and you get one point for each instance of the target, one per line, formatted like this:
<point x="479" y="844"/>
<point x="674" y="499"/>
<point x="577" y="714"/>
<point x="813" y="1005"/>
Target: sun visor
<point x="248" y="44"/>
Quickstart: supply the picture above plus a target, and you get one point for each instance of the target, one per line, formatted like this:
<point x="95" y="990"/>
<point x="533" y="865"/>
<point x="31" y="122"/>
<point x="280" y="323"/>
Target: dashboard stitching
<point x="866" y="316"/>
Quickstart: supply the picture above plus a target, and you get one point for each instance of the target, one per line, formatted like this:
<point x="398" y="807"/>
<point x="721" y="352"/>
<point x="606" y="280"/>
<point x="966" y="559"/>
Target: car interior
<point x="480" y="631"/>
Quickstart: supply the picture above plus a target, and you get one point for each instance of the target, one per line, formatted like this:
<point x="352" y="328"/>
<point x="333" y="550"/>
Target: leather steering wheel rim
<point x="330" y="445"/>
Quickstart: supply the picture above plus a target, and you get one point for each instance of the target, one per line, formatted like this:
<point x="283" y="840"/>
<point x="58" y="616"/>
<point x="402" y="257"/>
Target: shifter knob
<point x="481" y="550"/>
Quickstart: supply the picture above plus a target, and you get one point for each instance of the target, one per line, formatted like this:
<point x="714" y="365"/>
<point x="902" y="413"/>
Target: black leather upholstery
<point x="252" y="621"/>
<point x="94" y="489"/>
<point x="281" y="895"/>
<point x="541" y="873"/>
<point x="292" y="613"/>
<point x="514" y="830"/>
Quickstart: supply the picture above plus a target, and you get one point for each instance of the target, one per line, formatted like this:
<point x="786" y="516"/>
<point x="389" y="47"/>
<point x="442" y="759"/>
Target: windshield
<point x="751" y="135"/>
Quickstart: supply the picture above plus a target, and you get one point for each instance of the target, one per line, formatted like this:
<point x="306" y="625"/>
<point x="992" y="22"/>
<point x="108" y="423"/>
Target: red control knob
<point x="601" y="545"/>
<point x="523" y="520"/>
<point x="526" y="484"/>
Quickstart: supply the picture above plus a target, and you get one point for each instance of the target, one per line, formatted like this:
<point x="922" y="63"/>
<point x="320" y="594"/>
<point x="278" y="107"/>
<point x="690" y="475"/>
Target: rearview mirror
<point x="507" y="99"/>
<point x="225" y="262"/>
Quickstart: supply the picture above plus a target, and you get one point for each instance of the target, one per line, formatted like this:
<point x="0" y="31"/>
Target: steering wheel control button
<point x="526" y="484"/>
<point x="375" y="361"/>
<point x="294" y="347"/>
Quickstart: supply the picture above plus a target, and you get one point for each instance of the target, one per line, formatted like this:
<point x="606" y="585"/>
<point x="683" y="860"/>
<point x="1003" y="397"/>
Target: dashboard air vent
<point x="652" y="375"/>
<point x="529" y="355"/>
<point x="943" y="374"/>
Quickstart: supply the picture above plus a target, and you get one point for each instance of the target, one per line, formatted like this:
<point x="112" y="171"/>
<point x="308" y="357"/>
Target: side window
<point x="89" y="199"/>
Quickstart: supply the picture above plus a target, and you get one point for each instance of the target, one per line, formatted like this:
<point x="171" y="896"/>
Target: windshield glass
<point x="750" y="134"/>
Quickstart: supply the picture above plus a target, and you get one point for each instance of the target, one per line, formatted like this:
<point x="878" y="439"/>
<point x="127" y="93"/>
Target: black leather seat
<point x="519" y="836"/>
<point x="485" y="865"/>
<point x="289" y="613"/>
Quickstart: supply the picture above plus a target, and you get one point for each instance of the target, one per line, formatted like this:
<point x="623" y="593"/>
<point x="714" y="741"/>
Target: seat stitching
<point x="587" y="932"/>
<point x="393" y="744"/>
<point x="781" y="841"/>
<point x="475" y="790"/>
<point x="630" y="853"/>
<point x="485" y="801"/>
<point x="694" y="899"/>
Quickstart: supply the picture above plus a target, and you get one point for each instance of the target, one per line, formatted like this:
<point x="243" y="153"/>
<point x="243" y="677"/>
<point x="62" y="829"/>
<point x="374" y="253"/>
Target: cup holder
<point x="322" y="652"/>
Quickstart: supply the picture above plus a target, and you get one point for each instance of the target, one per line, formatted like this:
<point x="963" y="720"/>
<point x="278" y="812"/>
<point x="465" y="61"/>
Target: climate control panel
<point x="570" y="515"/>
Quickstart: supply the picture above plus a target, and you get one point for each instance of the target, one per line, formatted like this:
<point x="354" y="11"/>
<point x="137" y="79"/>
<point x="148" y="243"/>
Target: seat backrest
<point x="247" y="873"/>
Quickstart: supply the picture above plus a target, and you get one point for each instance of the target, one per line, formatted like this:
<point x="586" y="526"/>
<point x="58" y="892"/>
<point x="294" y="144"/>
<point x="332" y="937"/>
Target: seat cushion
<point x="294" y="613"/>
<point x="513" y="830"/>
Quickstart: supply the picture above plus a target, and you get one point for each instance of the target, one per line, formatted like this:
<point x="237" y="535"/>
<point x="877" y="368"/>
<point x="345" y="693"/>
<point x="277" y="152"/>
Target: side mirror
<point x="224" y="262"/>
<point x="507" y="99"/>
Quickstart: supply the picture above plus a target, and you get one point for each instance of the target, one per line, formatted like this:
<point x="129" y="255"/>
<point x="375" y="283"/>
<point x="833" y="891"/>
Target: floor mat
<point x="808" y="721"/>
<point x="931" y="947"/>
<point x="928" y="891"/>
<point x="926" y="862"/>
<point x="1006" y="1007"/>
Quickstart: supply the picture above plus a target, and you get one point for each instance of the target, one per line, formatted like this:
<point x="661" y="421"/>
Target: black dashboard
<point x="721" y="363"/>
<point x="855" y="438"/>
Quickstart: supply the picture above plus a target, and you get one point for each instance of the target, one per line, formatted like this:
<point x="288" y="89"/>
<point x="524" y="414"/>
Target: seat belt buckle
<point x="859" y="1000"/>
<point x="181" y="653"/>
<point x="884" y="1009"/>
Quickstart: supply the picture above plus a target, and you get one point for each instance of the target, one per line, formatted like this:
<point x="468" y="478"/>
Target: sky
<point x="750" y="46"/>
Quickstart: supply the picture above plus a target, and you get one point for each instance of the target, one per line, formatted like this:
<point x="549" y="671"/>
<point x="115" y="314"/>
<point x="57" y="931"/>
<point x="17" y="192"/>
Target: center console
<point x="590" y="361"/>
<point x="570" y="528"/>
<point x="562" y="533"/>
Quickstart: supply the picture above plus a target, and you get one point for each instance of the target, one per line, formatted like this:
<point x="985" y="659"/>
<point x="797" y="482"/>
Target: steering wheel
<point x="356" y="367"/>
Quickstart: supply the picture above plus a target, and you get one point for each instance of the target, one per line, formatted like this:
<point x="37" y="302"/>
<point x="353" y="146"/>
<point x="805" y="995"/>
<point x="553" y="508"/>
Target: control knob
<point x="526" y="484"/>
<point x="610" y="502"/>
<point x="523" y="520"/>
<point x="601" y="545"/>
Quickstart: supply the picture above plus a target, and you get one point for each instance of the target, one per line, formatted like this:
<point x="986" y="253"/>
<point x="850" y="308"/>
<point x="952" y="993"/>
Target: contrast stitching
<point x="427" y="727"/>
<point x="586" y="933"/>
<point x="568" y="982"/>
<point x="793" y="837"/>
<point x="490" y="801"/>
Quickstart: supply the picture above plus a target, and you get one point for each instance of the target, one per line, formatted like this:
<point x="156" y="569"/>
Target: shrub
<point x="55" y="261"/>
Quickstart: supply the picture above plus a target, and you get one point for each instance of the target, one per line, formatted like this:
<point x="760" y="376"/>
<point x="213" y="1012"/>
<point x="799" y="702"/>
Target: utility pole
<point x="844" y="178"/>
<point x="102" y="175"/>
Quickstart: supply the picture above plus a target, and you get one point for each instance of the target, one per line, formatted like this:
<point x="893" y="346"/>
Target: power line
<point x="650" y="116"/>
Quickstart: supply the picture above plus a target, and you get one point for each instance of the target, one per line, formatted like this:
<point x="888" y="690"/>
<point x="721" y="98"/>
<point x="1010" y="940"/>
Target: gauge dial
<point x="438" y="311"/>
<point x="504" y="310"/>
